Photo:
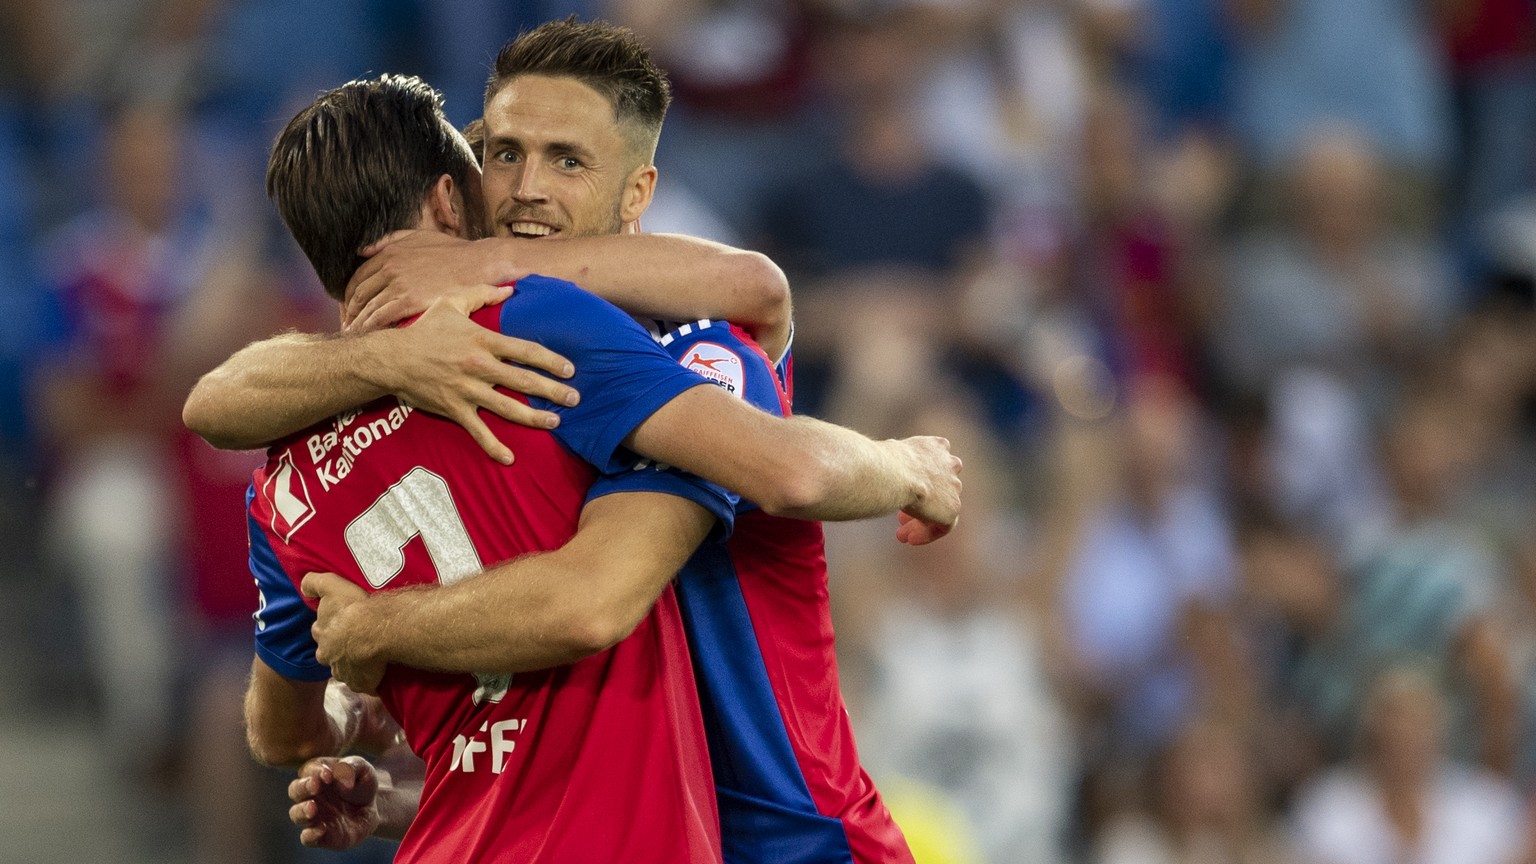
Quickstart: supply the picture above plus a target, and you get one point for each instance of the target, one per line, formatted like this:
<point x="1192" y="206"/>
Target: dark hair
<point x="608" y="58"/>
<point x="474" y="135"/>
<point x="356" y="164"/>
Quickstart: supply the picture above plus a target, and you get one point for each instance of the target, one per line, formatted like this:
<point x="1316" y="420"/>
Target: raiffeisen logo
<point x="720" y="365"/>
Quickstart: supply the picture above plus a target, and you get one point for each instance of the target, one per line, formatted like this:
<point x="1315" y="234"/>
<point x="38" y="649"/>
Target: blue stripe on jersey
<point x="766" y="810"/>
<point x="767" y="813"/>
<point x="283" y="640"/>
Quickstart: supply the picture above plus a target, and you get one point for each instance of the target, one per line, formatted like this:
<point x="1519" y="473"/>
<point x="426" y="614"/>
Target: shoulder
<point x="542" y="305"/>
<point x="547" y="289"/>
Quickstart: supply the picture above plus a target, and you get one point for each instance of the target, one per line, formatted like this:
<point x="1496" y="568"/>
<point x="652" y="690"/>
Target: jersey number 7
<point x="419" y="504"/>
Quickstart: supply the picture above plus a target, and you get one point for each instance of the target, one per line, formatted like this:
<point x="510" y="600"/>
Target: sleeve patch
<point x="719" y="365"/>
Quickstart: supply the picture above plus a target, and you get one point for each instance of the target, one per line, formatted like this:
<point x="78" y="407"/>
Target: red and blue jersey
<point x="759" y="619"/>
<point x="601" y="760"/>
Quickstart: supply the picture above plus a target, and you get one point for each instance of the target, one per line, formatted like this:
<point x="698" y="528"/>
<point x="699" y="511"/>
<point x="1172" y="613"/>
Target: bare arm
<point x="450" y="365"/>
<point x="289" y="722"/>
<point x="534" y="612"/>
<point x="802" y="467"/>
<point x="666" y="276"/>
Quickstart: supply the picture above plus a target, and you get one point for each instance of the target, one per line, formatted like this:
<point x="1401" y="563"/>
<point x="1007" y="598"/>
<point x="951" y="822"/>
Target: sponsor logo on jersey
<point x="503" y="736"/>
<point x="331" y="467"/>
<point x="288" y="498"/>
<point x="720" y="365"/>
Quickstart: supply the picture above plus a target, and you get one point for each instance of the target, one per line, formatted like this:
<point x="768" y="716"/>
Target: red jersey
<point x="601" y="760"/>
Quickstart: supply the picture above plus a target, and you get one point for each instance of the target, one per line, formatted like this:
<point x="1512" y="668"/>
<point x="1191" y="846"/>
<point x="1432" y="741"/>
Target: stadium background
<point x="1225" y="303"/>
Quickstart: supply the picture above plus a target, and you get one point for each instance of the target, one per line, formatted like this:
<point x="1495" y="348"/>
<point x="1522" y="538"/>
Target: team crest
<point x="288" y="498"/>
<point x="720" y="365"/>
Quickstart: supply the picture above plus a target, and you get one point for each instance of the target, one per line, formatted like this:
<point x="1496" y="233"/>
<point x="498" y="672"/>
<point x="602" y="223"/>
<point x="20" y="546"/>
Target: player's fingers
<point x="303" y="813"/>
<point x="319" y="585"/>
<point x="515" y="411"/>
<point x="930" y="532"/>
<point x="312" y="836"/>
<point x="366" y="282"/>
<point x="530" y="383"/>
<point x="483" y="436"/>
<point x="532" y="354"/>
<point x="303" y="789"/>
<point x="478" y="298"/>
<point x="378" y="315"/>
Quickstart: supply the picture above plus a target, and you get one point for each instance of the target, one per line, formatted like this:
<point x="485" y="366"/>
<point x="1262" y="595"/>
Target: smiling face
<point x="557" y="162"/>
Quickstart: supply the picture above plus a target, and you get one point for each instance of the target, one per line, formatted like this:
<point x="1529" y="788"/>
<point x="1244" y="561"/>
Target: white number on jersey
<point x="419" y="505"/>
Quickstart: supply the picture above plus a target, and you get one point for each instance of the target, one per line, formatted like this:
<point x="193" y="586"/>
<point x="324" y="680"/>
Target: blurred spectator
<point x="1422" y="586"/>
<point x="1368" y="64"/>
<point x="741" y="72"/>
<point x="1004" y="97"/>
<point x="1204" y="805"/>
<point x="1155" y="557"/>
<point x="1126" y="270"/>
<point x="956" y="695"/>
<point x="1319" y="459"/>
<point x="1491" y="52"/>
<point x="1335" y="287"/>
<point x="884" y="223"/>
<point x="1402" y="798"/>
<point x="110" y="407"/>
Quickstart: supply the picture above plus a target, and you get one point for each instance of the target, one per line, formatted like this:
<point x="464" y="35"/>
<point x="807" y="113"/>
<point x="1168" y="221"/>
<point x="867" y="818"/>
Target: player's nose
<point x="530" y="184"/>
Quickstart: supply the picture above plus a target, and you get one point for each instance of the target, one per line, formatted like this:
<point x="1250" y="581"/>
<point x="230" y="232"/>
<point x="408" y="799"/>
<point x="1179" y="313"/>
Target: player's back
<point x="541" y="766"/>
<point x="790" y="785"/>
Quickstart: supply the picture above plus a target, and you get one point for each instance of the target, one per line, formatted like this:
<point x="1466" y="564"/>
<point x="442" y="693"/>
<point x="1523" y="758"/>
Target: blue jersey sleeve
<point x="720" y="354"/>
<point x="644" y="475"/>
<point x="622" y="375"/>
<point x="283" y="619"/>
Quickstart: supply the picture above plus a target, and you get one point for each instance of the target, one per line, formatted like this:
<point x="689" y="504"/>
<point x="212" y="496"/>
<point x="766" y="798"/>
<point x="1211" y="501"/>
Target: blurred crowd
<point x="1227" y="304"/>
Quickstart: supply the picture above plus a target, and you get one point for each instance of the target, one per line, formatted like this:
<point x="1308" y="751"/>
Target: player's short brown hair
<point x="356" y="165"/>
<point x="608" y="58"/>
<point x="474" y="134"/>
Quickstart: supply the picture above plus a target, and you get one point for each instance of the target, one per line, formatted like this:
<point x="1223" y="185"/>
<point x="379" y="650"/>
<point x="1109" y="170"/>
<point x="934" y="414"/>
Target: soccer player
<point x="786" y="770"/>
<point x="364" y="487"/>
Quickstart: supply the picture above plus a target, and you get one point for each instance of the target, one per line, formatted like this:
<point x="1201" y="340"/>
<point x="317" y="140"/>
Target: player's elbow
<point x="203" y="416"/>
<point x="594" y="633"/>
<point x="609" y="612"/>
<point x="767" y="286"/>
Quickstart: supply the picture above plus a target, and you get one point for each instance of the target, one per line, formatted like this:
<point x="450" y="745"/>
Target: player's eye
<point x="569" y="163"/>
<point x="505" y="156"/>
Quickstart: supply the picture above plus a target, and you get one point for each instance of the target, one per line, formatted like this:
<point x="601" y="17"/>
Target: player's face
<point x="556" y="161"/>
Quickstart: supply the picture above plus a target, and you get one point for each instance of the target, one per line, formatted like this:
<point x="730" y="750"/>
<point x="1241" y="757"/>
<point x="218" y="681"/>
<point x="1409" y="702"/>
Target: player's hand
<point x="937" y="508"/>
<point x="449" y="365"/>
<point x="335" y="802"/>
<point x="408" y="270"/>
<point x="341" y="631"/>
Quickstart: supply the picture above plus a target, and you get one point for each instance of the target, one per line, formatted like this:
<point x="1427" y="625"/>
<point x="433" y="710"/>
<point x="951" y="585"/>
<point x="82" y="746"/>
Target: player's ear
<point x="639" y="188"/>
<point x="446" y="208"/>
